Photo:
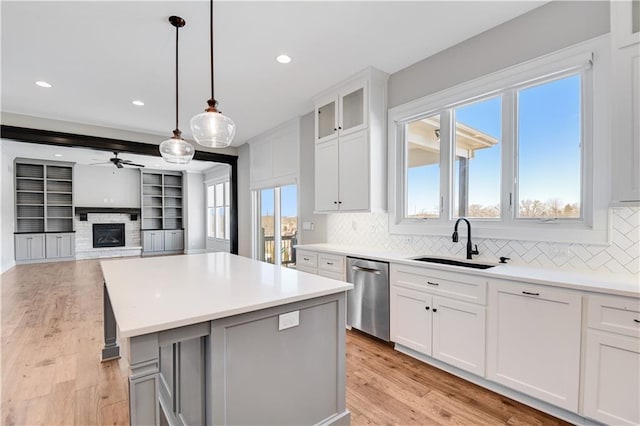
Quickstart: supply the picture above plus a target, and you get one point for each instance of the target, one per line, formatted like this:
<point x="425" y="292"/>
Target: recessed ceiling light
<point x="137" y="103"/>
<point x="57" y="155"/>
<point x="283" y="59"/>
<point x="43" y="84"/>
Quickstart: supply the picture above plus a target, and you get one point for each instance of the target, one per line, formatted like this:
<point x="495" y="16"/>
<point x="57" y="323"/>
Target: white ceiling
<point x="99" y="56"/>
<point x="88" y="156"/>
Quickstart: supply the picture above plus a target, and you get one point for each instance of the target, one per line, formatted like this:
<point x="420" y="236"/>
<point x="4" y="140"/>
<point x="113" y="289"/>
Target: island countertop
<point x="158" y="293"/>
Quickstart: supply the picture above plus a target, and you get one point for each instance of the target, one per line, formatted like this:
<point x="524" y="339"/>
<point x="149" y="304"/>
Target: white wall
<point x="106" y="186"/>
<point x="215" y="174"/>
<point x="6" y="209"/>
<point x="195" y="225"/>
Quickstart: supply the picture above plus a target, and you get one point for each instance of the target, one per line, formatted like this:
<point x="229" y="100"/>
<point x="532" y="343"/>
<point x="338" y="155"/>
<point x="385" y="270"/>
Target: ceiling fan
<point x="119" y="162"/>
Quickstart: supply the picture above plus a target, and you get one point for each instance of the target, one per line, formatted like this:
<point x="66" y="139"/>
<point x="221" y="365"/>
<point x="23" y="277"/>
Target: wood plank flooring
<point x="51" y="337"/>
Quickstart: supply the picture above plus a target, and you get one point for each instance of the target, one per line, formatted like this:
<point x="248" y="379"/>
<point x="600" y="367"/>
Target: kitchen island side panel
<point x="290" y="376"/>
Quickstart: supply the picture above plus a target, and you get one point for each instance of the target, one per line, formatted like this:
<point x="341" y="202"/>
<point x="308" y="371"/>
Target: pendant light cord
<point x="211" y="46"/>
<point x="177" y="29"/>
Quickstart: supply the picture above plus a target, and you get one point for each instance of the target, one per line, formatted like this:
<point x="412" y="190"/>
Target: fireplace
<point x="108" y="235"/>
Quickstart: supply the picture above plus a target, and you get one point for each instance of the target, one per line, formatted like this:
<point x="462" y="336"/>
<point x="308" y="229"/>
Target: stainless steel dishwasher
<point x="368" y="302"/>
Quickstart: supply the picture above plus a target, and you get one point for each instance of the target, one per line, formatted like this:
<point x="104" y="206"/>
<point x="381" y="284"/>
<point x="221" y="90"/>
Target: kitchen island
<point x="221" y="339"/>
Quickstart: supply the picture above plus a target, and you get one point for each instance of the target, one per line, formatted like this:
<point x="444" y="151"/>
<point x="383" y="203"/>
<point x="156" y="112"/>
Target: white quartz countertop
<point x="159" y="293"/>
<point x="618" y="284"/>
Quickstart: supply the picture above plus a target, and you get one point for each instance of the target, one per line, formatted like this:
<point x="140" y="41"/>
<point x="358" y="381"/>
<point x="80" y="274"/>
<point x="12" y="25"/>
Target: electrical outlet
<point x="288" y="320"/>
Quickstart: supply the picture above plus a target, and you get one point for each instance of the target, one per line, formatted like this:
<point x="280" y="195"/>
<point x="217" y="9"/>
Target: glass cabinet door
<point x="353" y="109"/>
<point x="326" y="120"/>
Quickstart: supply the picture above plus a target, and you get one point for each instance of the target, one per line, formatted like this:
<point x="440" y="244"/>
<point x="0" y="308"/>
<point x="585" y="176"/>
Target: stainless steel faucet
<point x="454" y="238"/>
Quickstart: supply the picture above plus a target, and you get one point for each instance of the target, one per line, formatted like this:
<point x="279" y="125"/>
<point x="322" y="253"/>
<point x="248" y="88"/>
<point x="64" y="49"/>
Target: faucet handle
<point x="475" y="250"/>
<point x="504" y="259"/>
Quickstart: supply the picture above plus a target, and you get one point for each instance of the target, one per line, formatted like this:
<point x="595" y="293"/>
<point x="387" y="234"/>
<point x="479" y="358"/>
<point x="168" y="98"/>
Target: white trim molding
<point x="592" y="60"/>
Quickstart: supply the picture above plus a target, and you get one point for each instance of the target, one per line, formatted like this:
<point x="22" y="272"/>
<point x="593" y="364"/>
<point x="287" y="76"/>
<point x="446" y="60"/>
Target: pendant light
<point x="211" y="128"/>
<point x="176" y="150"/>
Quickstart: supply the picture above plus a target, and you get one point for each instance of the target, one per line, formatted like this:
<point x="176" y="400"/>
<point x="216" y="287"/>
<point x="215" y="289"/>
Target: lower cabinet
<point x="60" y="245"/>
<point x="162" y="241"/>
<point x="533" y="341"/>
<point x="173" y="240"/>
<point x="29" y="247"/>
<point x="612" y="360"/>
<point x="39" y="247"/>
<point x="445" y="328"/>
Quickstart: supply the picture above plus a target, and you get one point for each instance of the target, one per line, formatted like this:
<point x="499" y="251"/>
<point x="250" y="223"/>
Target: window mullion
<point x="446" y="164"/>
<point x="509" y="199"/>
<point x="277" y="237"/>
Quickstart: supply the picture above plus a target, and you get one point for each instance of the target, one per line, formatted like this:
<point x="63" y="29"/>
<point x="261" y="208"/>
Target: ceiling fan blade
<point x="95" y="164"/>
<point x="134" y="164"/>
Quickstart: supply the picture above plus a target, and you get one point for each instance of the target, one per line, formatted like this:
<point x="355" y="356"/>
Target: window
<point x="218" y="210"/>
<point x="277" y="209"/>
<point x="513" y="151"/>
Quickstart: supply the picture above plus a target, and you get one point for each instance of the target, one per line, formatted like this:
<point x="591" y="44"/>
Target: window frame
<point x="226" y="182"/>
<point x="590" y="59"/>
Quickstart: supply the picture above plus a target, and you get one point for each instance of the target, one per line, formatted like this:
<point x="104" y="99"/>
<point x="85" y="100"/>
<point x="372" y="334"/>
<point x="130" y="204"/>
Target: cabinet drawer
<point x="331" y="263"/>
<point x="307" y="258"/>
<point x="457" y="286"/>
<point x="617" y="314"/>
<point x="306" y="269"/>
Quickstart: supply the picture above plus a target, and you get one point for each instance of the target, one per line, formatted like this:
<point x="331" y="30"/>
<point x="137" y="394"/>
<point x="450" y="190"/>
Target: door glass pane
<point x="327" y="119"/>
<point x="227" y="194"/>
<point x="220" y="194"/>
<point x="227" y="233"/>
<point x="288" y="223"/>
<point x="211" y="222"/>
<point x="476" y="174"/>
<point x="549" y="153"/>
<point x="353" y="109"/>
<point x="423" y="168"/>
<point x="635" y="16"/>
<point x="267" y="225"/>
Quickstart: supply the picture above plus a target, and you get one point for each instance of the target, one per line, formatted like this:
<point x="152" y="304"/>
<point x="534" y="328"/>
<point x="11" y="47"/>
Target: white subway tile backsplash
<point x="621" y="256"/>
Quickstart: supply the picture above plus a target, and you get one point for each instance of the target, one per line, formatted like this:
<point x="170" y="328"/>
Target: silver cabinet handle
<point x="362" y="269"/>
<point x="329" y="263"/>
<point x="306" y="258"/>
<point x="636" y="320"/>
<point x="531" y="294"/>
<point x="430" y="283"/>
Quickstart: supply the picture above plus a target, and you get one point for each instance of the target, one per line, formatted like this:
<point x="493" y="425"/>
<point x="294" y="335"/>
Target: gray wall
<point x="6" y="209"/>
<point x="244" y="202"/>
<point x="195" y="226"/>
<point x="306" y="184"/>
<point x="551" y="27"/>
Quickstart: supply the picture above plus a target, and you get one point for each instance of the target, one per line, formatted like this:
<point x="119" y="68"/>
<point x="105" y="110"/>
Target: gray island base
<point x="253" y="368"/>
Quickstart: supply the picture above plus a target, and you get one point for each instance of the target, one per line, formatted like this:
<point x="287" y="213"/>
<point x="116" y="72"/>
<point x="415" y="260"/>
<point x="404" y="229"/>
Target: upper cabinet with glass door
<point x="350" y="151"/>
<point x="342" y="111"/>
<point x="625" y="54"/>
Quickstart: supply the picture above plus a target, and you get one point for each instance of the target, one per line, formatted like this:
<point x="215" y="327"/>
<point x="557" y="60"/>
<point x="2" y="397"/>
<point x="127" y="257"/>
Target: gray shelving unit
<point x="43" y="204"/>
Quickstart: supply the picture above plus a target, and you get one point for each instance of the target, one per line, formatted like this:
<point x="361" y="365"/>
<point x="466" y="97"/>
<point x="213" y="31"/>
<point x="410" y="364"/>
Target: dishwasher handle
<point x="363" y="269"/>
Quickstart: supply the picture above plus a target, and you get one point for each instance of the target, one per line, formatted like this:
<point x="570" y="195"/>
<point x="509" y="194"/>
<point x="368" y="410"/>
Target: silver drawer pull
<point x="636" y="320"/>
<point x="362" y="269"/>
<point x="430" y="283"/>
<point x="531" y="294"/>
<point x="305" y="258"/>
<point x="329" y="263"/>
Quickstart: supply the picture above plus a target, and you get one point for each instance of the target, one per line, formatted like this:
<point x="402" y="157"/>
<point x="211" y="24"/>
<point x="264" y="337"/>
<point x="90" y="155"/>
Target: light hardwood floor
<point x="51" y="333"/>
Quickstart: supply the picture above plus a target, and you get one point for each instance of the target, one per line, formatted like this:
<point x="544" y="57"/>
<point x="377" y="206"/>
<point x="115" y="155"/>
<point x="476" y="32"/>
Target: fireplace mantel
<point x="83" y="211"/>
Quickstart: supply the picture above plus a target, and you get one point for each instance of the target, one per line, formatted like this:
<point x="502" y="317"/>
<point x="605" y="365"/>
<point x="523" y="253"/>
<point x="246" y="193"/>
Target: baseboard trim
<point x="7" y="267"/>
<point x="195" y="251"/>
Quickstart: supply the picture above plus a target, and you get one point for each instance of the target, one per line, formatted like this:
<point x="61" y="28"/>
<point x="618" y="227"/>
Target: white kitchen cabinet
<point x="459" y="334"/>
<point x="625" y="126"/>
<point x="449" y="330"/>
<point x="612" y="360"/>
<point x="342" y="112"/>
<point x="173" y="240"/>
<point x="29" y="247"/>
<point x="411" y="319"/>
<point x="60" y="246"/>
<point x="342" y="174"/>
<point x="350" y="152"/>
<point x="152" y="241"/>
<point x="533" y="341"/>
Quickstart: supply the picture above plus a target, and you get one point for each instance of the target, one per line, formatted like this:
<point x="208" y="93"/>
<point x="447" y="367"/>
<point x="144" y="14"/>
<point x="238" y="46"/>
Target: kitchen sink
<point x="454" y="262"/>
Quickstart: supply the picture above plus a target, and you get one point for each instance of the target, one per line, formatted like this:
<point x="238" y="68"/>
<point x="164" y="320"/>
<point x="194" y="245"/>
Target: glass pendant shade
<point x="213" y="129"/>
<point x="176" y="151"/>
